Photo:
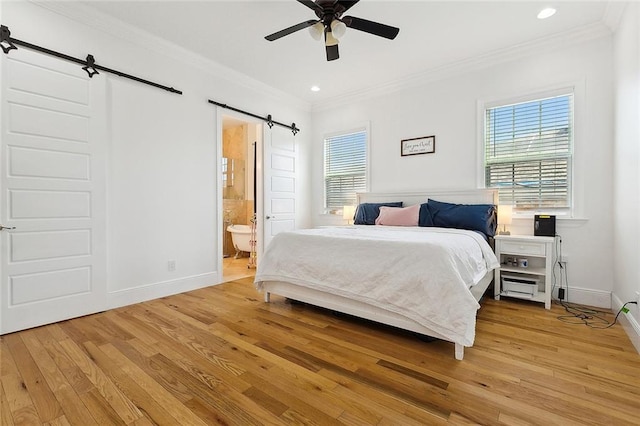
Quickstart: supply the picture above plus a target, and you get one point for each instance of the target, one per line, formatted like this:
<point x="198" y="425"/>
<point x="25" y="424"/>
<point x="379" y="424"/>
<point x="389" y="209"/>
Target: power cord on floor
<point x="578" y="314"/>
<point x="589" y="317"/>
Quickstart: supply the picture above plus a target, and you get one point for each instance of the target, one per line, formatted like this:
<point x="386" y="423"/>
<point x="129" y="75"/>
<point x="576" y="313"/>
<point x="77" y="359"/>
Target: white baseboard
<point x="628" y="321"/>
<point x="586" y="296"/>
<point x="146" y="292"/>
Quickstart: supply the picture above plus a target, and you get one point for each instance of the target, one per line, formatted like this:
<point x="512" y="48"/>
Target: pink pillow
<point x="399" y="216"/>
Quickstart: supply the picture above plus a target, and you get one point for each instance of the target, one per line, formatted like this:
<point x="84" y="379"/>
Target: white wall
<point x="162" y="150"/>
<point x="162" y="181"/>
<point x="626" y="221"/>
<point x="448" y="109"/>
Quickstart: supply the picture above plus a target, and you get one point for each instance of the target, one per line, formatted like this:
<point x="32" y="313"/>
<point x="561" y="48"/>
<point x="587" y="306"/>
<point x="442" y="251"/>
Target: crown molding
<point x="613" y="14"/>
<point x="542" y="45"/>
<point x="100" y="21"/>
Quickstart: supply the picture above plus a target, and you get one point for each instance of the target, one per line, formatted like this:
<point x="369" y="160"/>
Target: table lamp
<point x="348" y="212"/>
<point x="504" y="218"/>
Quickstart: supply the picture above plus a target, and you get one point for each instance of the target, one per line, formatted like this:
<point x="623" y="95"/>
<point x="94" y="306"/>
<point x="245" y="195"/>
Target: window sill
<point x="567" y="221"/>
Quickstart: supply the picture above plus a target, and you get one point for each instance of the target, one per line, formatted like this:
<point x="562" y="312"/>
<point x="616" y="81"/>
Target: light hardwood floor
<point x="233" y="269"/>
<point x="220" y="355"/>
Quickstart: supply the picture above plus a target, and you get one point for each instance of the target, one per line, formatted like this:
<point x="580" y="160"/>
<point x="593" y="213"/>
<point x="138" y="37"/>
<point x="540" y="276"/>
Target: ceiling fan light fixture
<point x="316" y="30"/>
<point x="338" y="28"/>
<point x="330" y="25"/>
<point x="329" y="39"/>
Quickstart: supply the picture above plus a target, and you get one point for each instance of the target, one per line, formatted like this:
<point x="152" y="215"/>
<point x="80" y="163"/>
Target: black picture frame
<point x="417" y="146"/>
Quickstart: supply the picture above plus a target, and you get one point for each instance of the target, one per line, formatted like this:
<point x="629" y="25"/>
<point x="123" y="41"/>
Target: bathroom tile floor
<point x="233" y="269"/>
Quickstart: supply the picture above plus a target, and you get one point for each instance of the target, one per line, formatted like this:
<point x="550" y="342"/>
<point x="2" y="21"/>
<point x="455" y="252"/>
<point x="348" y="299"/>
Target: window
<point x="527" y="152"/>
<point x="345" y="168"/>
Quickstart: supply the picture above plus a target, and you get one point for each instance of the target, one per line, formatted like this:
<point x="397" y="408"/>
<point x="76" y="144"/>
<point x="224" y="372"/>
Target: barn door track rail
<point x="270" y="122"/>
<point x="9" y="43"/>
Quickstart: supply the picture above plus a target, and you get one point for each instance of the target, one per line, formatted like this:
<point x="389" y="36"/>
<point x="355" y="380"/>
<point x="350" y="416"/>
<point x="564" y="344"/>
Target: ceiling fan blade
<point x="293" y="29"/>
<point x="371" y="27"/>
<point x="332" y="52"/>
<point x="346" y="5"/>
<point x="311" y="5"/>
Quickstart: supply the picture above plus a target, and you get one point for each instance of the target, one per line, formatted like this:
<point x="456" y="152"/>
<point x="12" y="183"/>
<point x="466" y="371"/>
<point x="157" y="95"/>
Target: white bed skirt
<point x="363" y="310"/>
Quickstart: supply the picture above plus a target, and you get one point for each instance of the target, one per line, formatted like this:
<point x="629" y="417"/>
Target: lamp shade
<point x="505" y="212"/>
<point x="338" y="28"/>
<point x="348" y="212"/>
<point x="317" y="30"/>
<point x="329" y="39"/>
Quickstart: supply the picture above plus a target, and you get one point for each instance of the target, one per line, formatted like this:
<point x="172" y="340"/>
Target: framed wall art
<point x="415" y="146"/>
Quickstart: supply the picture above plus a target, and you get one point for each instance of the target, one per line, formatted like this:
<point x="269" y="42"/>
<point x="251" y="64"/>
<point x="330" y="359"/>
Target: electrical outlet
<point x="171" y="265"/>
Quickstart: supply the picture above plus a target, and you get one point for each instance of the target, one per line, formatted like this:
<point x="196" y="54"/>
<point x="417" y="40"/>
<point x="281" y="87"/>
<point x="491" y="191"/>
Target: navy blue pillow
<point x="367" y="213"/>
<point x="425" y="219"/>
<point x="474" y="217"/>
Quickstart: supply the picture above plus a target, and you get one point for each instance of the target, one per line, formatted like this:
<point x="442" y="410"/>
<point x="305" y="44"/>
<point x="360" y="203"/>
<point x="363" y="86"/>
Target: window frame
<point x="575" y="90"/>
<point x="363" y="127"/>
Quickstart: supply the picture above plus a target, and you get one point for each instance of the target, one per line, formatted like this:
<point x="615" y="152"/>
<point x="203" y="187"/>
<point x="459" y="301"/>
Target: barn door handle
<point x="2" y="228"/>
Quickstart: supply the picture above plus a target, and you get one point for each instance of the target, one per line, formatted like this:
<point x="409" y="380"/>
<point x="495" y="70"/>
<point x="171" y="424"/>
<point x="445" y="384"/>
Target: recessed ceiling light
<point x="545" y="13"/>
<point x="315" y="89"/>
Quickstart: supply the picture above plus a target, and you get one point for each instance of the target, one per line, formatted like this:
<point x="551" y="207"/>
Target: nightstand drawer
<point x="520" y="247"/>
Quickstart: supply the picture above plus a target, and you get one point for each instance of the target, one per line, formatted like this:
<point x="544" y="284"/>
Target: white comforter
<point x="421" y="273"/>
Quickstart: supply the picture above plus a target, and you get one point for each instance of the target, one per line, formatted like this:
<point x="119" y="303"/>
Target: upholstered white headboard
<point x="465" y="196"/>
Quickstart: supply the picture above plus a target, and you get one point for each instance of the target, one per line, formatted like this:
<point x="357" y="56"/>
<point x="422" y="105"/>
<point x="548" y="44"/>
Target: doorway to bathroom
<point x="239" y="187"/>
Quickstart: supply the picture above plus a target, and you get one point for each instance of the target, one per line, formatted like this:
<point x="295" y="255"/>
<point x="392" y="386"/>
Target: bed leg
<point x="267" y="296"/>
<point x="459" y="351"/>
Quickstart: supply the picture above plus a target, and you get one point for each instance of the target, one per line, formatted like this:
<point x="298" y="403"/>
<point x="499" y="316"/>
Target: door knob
<point x="2" y="228"/>
<point x="270" y="217"/>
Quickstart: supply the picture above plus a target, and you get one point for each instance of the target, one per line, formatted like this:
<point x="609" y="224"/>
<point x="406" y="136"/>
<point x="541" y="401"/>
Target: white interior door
<point x="52" y="189"/>
<point x="280" y="167"/>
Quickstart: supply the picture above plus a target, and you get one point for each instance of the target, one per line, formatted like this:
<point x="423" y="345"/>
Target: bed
<point x="425" y="279"/>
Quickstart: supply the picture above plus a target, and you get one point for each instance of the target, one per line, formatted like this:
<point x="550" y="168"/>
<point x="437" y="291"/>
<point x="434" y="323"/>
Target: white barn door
<point x="280" y="163"/>
<point x="52" y="190"/>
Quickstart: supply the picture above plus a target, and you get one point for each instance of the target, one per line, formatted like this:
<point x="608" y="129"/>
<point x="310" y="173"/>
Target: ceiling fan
<point x="333" y="25"/>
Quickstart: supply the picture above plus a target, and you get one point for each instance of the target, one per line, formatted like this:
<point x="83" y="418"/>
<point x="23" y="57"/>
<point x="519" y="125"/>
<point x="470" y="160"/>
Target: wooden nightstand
<point x="513" y="279"/>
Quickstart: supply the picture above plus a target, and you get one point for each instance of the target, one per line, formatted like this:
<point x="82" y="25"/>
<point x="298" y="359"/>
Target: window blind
<point x="528" y="152"/>
<point x="345" y="168"/>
